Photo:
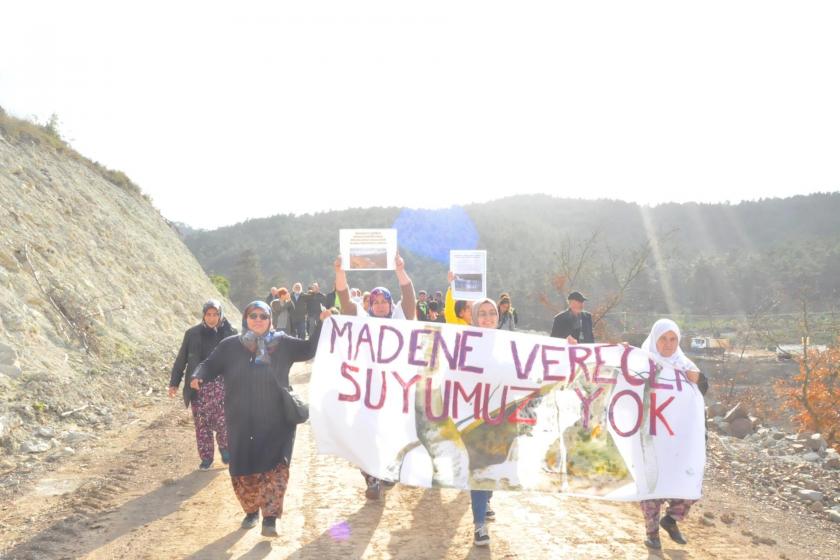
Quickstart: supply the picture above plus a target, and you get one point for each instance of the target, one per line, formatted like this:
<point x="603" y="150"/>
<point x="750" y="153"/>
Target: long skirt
<point x="263" y="491"/>
<point x="677" y="509"/>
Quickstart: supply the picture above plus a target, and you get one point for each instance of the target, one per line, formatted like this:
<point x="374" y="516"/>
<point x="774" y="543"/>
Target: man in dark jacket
<point x="574" y="324"/>
<point x="299" y="314"/>
<point x="314" y="300"/>
<point x="208" y="403"/>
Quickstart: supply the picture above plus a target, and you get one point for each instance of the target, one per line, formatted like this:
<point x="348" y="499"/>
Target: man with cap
<point x="574" y="324"/>
<point x="208" y="402"/>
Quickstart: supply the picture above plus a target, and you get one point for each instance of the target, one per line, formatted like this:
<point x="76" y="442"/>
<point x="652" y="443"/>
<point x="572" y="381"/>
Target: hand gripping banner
<point x="438" y="405"/>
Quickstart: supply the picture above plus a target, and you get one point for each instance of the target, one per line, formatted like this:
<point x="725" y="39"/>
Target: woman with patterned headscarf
<point x="208" y="403"/>
<point x="255" y="369"/>
<point x="381" y="305"/>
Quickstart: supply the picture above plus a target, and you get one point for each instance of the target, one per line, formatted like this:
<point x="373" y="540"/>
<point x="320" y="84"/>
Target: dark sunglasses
<point x="261" y="316"/>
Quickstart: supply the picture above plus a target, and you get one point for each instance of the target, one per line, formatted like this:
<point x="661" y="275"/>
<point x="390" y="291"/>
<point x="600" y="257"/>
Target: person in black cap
<point x="574" y="324"/>
<point x="208" y="403"/>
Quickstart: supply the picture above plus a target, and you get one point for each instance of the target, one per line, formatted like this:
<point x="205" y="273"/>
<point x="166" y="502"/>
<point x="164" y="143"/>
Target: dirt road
<point x="138" y="495"/>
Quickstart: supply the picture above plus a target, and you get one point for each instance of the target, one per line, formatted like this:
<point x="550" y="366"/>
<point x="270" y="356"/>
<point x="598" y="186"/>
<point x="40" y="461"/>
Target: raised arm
<point x="348" y="307"/>
<point x="409" y="299"/>
<point x="449" y="302"/>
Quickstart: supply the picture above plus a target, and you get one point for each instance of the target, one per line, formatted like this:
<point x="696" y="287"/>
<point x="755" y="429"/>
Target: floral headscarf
<point x="379" y="290"/>
<point x="261" y="345"/>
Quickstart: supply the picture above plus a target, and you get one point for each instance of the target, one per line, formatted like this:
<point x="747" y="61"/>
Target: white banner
<point x="432" y="404"/>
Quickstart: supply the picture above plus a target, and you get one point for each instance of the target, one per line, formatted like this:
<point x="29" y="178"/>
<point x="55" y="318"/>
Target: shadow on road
<point x="74" y="535"/>
<point x="347" y="539"/>
<point x="219" y="548"/>
<point x="259" y="551"/>
<point x="433" y="526"/>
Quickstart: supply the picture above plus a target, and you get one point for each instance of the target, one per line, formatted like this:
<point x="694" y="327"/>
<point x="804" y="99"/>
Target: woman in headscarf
<point x="255" y="366"/>
<point x="381" y="305"/>
<point x="484" y="314"/>
<point x="208" y="403"/>
<point x="663" y="344"/>
<point x="507" y="314"/>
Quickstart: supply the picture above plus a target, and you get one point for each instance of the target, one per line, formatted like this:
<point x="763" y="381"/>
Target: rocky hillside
<point x="96" y="289"/>
<point x="788" y="472"/>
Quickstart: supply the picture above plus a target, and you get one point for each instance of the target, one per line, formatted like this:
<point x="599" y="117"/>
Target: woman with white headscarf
<point x="663" y="344"/>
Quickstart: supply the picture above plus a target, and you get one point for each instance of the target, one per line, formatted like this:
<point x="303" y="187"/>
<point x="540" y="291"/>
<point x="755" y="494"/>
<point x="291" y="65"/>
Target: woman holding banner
<point x="663" y="343"/>
<point x="255" y="369"/>
<point x="381" y="305"/>
<point x="484" y="314"/>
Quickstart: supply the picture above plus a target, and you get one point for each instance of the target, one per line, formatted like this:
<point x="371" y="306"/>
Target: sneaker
<point x="250" y="520"/>
<point x="670" y="526"/>
<point x="374" y="489"/>
<point x="205" y="464"/>
<point x="490" y="515"/>
<point x="481" y="537"/>
<point x="225" y="456"/>
<point x="269" y="527"/>
<point x="653" y="542"/>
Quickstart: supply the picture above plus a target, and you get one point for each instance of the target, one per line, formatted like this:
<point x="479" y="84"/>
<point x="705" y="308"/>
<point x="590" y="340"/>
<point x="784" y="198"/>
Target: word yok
<point x="461" y="364"/>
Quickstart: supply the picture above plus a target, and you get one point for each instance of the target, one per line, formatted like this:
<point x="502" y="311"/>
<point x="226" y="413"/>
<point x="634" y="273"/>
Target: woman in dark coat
<point x="254" y="366"/>
<point x="207" y="404"/>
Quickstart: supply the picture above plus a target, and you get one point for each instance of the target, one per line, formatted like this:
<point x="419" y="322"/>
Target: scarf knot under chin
<point x="261" y="346"/>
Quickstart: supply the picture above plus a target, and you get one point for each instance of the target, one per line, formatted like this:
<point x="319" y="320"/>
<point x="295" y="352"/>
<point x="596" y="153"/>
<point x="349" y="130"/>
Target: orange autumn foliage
<point x="814" y="393"/>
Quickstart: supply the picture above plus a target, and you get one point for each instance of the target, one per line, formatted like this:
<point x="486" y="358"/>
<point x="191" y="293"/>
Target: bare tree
<point x="575" y="260"/>
<point x="623" y="272"/>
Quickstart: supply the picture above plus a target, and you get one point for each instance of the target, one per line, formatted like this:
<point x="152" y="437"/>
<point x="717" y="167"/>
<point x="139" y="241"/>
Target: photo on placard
<point x="368" y="249"/>
<point x="469" y="283"/>
<point x="368" y="257"/>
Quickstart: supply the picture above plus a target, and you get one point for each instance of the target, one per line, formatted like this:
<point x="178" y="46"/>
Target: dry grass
<point x="22" y="132"/>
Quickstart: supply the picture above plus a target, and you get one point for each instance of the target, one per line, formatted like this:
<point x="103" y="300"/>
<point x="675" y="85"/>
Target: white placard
<point x="470" y="271"/>
<point x="368" y="249"/>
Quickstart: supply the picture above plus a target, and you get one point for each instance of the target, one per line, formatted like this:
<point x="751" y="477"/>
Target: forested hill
<point x="705" y="258"/>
